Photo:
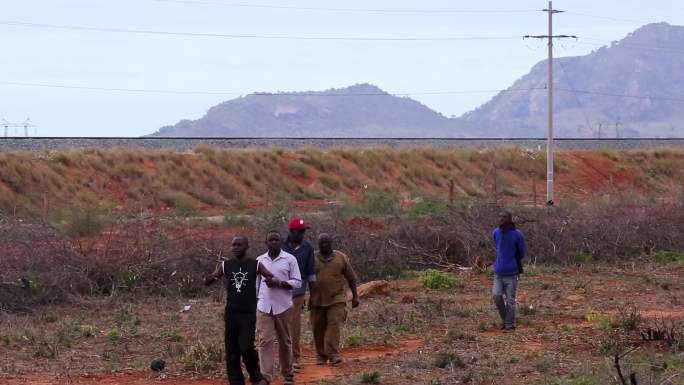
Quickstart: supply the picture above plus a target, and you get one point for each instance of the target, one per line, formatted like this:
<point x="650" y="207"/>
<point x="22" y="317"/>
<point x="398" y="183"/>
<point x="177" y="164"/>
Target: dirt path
<point x="310" y="373"/>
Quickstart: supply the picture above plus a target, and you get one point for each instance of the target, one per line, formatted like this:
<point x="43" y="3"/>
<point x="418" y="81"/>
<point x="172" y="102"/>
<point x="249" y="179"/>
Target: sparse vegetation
<point x="664" y="256"/>
<point x="441" y="281"/>
<point x="36" y="183"/>
<point x="370" y="377"/>
<point x="299" y="169"/>
<point x="445" y="360"/>
<point x="201" y="357"/>
<point x="356" y="338"/>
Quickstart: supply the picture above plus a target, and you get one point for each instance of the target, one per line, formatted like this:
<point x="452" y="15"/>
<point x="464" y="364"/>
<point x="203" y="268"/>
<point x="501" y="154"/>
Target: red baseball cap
<point x="298" y="224"/>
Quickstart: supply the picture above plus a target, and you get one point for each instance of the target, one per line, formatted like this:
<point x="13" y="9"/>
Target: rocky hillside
<point x="361" y="110"/>
<point x="590" y="101"/>
<point x="648" y="62"/>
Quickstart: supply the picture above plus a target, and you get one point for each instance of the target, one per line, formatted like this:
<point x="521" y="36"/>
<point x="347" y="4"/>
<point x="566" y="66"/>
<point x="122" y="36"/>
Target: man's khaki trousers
<point x="270" y="327"/>
<point x="327" y="323"/>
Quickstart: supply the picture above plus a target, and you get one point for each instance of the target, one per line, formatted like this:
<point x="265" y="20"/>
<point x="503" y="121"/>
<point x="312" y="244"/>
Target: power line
<point x="303" y="94"/>
<point x="248" y="36"/>
<point x="327" y="9"/>
<point x="306" y="94"/>
<point x="611" y="18"/>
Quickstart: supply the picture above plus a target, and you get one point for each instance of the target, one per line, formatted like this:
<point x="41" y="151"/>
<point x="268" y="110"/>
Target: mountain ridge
<point x="587" y="102"/>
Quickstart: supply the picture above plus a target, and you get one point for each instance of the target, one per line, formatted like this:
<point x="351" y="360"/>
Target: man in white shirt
<point x="274" y="308"/>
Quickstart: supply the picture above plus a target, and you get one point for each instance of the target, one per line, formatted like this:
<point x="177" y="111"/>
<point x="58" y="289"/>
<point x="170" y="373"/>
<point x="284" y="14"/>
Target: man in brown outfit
<point x="328" y="300"/>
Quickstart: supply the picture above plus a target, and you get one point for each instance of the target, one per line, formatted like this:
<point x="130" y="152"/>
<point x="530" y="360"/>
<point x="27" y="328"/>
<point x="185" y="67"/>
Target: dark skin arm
<point x="355" y="294"/>
<point x="275" y="282"/>
<point x="215" y="276"/>
<point x="264" y="272"/>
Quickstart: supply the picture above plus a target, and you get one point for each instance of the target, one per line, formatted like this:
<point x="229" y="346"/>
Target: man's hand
<point x="273" y="282"/>
<point x="355" y="302"/>
<point x="209" y="279"/>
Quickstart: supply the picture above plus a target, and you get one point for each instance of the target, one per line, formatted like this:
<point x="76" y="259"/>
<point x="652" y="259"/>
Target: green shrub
<point x="444" y="360"/>
<point x="329" y="182"/>
<point x="235" y="221"/>
<point x="603" y="320"/>
<point x="430" y="207"/>
<point x="356" y="338"/>
<point x="81" y="221"/>
<point x="113" y="335"/>
<point x="378" y="203"/>
<point x="666" y="256"/>
<point x="370" y="377"/>
<point x="439" y="280"/>
<point x="459" y="335"/>
<point x="629" y="318"/>
<point x="179" y="202"/>
<point x="584" y="257"/>
<point x="299" y="169"/>
<point x="174" y="336"/>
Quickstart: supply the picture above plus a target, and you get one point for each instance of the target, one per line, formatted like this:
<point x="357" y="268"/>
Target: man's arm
<point x="263" y="271"/>
<point x="310" y="270"/>
<point x="295" y="280"/>
<point x="355" y="295"/>
<point x="215" y="276"/>
<point x="350" y="274"/>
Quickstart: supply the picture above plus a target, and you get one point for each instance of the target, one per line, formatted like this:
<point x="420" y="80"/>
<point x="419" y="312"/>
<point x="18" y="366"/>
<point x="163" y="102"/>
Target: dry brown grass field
<point x="215" y="180"/>
<point x="101" y="250"/>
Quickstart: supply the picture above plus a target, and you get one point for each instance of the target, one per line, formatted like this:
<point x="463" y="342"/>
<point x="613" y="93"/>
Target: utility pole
<point x="549" y="87"/>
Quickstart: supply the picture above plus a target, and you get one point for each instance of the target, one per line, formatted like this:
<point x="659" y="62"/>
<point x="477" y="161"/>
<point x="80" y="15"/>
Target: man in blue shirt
<point x="510" y="250"/>
<point x="296" y="245"/>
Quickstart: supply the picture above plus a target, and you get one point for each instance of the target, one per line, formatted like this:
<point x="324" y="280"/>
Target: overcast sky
<point x="32" y="54"/>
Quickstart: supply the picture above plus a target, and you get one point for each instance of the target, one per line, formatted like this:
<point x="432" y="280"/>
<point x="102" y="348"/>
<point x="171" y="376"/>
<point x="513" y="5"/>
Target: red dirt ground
<point x="310" y="373"/>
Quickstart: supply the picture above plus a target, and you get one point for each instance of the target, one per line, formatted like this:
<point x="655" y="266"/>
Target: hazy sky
<point x="220" y="64"/>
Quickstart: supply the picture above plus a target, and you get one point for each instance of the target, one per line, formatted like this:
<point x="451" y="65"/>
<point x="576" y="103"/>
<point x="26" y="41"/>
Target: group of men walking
<point x="266" y="298"/>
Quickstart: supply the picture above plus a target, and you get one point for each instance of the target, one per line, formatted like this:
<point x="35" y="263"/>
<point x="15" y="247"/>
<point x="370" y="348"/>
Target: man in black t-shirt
<point x="239" y="274"/>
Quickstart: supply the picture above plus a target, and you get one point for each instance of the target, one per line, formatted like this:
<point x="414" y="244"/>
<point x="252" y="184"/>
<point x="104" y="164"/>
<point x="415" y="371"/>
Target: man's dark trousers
<point x="240" y="331"/>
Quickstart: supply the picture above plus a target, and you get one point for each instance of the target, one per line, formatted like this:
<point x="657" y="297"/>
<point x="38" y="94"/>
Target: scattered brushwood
<point x="135" y="256"/>
<point x="666" y="330"/>
<point x="169" y="255"/>
<point x="462" y="239"/>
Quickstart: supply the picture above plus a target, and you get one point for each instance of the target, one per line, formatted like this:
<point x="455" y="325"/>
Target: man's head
<point x="273" y="242"/>
<point x="505" y="219"/>
<point x="325" y="244"/>
<point x="239" y="246"/>
<point x="297" y="229"/>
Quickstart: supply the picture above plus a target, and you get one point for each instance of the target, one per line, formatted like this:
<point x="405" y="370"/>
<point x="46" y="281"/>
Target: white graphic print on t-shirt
<point x="239" y="280"/>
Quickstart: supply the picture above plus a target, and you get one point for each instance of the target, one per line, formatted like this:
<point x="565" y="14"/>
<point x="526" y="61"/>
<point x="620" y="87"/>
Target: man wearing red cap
<point x="303" y="251"/>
